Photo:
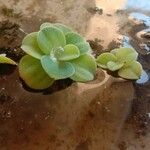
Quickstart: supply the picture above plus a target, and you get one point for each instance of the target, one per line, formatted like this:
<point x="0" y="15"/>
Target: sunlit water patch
<point x="143" y="79"/>
<point x="126" y="42"/>
<point x="141" y="17"/>
<point x="138" y="4"/>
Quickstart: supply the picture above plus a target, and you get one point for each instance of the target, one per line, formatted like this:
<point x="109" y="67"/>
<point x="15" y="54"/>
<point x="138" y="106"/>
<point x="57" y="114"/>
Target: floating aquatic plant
<point x="6" y="60"/>
<point x="123" y="60"/>
<point x="55" y="52"/>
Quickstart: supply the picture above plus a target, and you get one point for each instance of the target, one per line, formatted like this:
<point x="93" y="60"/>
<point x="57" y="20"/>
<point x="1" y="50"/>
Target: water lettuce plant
<point x="6" y="60"/>
<point x="55" y="52"/>
<point x="123" y="60"/>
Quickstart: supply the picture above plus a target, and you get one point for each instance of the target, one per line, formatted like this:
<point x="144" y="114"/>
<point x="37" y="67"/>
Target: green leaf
<point x="132" y="71"/>
<point x="32" y="73"/>
<point x="104" y="58"/>
<point x="62" y="27"/>
<point x="30" y="45"/>
<point x="113" y="66"/>
<point x="45" y="25"/>
<point x="85" y="68"/>
<point x="49" y="38"/>
<point x="57" y="70"/>
<point x="114" y="51"/>
<point x="69" y="52"/>
<point x="84" y="47"/>
<point x="125" y="54"/>
<point x="74" y="38"/>
<point x="6" y="60"/>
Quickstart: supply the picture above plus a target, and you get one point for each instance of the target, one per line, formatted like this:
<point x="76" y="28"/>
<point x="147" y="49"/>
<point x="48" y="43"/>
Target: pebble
<point x="98" y="102"/>
<point x="145" y="47"/>
<point x="144" y="34"/>
<point x="95" y="10"/>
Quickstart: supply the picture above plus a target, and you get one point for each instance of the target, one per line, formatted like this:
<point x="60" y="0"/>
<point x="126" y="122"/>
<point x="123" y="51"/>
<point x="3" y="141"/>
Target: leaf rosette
<point x="123" y="60"/>
<point x="53" y="53"/>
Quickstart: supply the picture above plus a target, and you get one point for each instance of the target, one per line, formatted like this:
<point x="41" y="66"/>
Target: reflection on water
<point x="138" y="4"/>
<point x="126" y="42"/>
<point x="143" y="79"/>
<point x="141" y="17"/>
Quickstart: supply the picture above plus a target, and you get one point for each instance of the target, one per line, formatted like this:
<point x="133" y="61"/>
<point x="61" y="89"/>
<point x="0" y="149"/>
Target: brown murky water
<point x="106" y="114"/>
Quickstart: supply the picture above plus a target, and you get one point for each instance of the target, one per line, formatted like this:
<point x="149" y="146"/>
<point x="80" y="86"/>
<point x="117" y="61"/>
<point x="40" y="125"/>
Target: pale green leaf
<point x="30" y="45"/>
<point x="125" y="54"/>
<point x="49" y="38"/>
<point x="45" y="25"/>
<point x="85" y="68"/>
<point x="114" y="51"/>
<point x="6" y="60"/>
<point x="33" y="74"/>
<point x="132" y="71"/>
<point x="74" y="38"/>
<point x="84" y="47"/>
<point x="113" y="66"/>
<point x="62" y="27"/>
<point x="57" y="70"/>
<point x="104" y="58"/>
<point x="69" y="52"/>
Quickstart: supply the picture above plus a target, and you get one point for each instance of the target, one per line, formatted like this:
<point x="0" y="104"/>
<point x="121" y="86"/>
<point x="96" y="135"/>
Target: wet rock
<point x="95" y="10"/>
<point x="148" y="43"/>
<point x="145" y="47"/>
<point x="146" y="35"/>
<point x="82" y="111"/>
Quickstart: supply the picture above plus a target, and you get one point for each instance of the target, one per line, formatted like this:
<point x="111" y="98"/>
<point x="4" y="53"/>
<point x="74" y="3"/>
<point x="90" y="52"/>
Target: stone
<point x="93" y="112"/>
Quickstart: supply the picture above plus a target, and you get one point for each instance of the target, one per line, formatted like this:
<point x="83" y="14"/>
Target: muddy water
<point x="113" y="117"/>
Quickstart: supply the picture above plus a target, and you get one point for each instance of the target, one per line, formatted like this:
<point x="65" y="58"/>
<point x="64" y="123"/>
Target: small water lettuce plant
<point x="6" y="60"/>
<point x="123" y="60"/>
<point x="55" y="52"/>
